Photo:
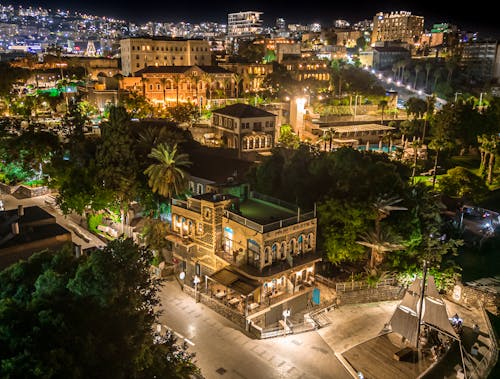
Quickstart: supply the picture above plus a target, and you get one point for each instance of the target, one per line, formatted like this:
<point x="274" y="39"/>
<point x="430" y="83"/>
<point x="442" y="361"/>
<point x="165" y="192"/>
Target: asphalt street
<point x="224" y="351"/>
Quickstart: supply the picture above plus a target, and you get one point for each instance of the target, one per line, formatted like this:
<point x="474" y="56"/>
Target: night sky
<point x="477" y="16"/>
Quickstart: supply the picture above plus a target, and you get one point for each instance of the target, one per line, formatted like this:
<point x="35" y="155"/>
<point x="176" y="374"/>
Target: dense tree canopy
<point x="87" y="317"/>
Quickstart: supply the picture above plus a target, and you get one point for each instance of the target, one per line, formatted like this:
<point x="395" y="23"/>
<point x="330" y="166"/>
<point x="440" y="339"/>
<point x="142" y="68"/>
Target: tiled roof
<point x="241" y="110"/>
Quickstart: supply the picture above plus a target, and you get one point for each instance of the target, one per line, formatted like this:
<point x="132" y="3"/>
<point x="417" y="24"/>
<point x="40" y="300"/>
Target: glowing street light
<point x="196" y="280"/>
<point x="419" y="91"/>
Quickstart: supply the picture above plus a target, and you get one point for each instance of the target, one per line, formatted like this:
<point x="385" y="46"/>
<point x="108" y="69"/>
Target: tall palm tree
<point x="163" y="82"/>
<point x="428" y="68"/>
<point x="238" y="78"/>
<point x="144" y="81"/>
<point x="207" y="78"/>
<point x="489" y="149"/>
<point x="382" y="105"/>
<point x="195" y="80"/>
<point x="176" y="80"/>
<point x="418" y="68"/>
<point x="438" y="144"/>
<point x="437" y="76"/>
<point x="167" y="176"/>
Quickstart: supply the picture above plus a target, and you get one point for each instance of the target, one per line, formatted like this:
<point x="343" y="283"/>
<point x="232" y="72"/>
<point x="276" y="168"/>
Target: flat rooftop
<point x="263" y="212"/>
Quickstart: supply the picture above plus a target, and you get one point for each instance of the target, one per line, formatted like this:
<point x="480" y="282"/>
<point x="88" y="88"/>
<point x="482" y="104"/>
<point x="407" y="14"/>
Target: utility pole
<point x="422" y="295"/>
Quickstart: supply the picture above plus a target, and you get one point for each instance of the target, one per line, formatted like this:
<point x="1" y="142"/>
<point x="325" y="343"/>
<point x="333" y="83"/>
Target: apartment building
<point x="244" y="25"/>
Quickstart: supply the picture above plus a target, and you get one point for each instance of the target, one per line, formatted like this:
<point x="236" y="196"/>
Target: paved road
<point x="224" y="351"/>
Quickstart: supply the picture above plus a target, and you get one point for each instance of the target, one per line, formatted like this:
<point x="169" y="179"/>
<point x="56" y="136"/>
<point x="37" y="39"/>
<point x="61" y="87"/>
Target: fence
<point x="360" y="285"/>
<point x="217" y="306"/>
<point x="490" y="358"/>
<point x="270" y="199"/>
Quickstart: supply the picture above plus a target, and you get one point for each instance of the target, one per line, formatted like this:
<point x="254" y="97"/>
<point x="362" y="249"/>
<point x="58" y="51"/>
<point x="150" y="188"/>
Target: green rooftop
<point x="263" y="212"/>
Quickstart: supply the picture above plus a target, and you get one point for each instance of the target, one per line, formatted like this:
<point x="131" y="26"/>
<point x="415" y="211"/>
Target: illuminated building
<point x="397" y="26"/>
<point x="139" y="53"/>
<point x="246" y="24"/>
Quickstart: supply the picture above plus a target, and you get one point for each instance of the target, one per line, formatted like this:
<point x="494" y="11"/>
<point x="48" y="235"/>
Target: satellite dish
<point x="182" y="275"/>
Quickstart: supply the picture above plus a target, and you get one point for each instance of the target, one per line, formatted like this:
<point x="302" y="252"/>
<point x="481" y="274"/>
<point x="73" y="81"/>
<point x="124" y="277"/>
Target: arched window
<point x="253" y="253"/>
<point x="267" y="255"/>
<point x="168" y="84"/>
<point x="262" y="141"/>
<point x="283" y="250"/>
<point x="250" y="139"/>
<point x="291" y="247"/>
<point x="275" y="252"/>
<point x="310" y="240"/>
<point x="300" y="243"/>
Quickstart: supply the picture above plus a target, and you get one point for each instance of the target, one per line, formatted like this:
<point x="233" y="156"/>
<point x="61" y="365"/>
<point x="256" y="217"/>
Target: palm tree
<point x="428" y="68"/>
<point x="237" y="81"/>
<point x="437" y="76"/>
<point x="383" y="206"/>
<point x="438" y="145"/>
<point x="380" y="244"/>
<point x="196" y="79"/>
<point x="395" y="70"/>
<point x="489" y="149"/>
<point x="163" y="82"/>
<point x="176" y="80"/>
<point x="328" y="136"/>
<point x="167" y="176"/>
<point x="144" y="81"/>
<point x="382" y="105"/>
<point x="210" y="81"/>
<point x="451" y="65"/>
<point x="418" y="68"/>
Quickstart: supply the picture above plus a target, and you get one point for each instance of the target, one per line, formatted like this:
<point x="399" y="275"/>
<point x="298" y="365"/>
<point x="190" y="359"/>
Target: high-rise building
<point x="397" y="26"/>
<point x="280" y="24"/>
<point x="139" y="53"/>
<point x="482" y="60"/>
<point x="244" y="24"/>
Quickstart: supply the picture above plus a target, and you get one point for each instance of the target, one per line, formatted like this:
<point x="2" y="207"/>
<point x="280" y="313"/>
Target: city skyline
<point x="475" y="19"/>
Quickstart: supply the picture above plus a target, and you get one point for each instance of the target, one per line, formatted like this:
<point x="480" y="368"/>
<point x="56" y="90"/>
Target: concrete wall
<point x="370" y="295"/>
<point x="474" y="297"/>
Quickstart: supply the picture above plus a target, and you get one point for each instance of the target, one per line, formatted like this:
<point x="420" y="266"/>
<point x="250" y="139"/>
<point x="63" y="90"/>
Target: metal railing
<point x="271" y="226"/>
<point x="244" y="221"/>
<point x="270" y="199"/>
<point x="359" y="285"/>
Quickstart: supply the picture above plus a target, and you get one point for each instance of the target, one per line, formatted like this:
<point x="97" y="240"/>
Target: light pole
<point x="196" y="281"/>
<point x="356" y="104"/>
<point x="456" y="95"/>
<point x="481" y="98"/>
<point x="286" y="314"/>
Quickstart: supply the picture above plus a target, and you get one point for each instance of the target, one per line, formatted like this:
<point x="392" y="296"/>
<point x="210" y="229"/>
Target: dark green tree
<point x="115" y="158"/>
<point x="87" y="317"/>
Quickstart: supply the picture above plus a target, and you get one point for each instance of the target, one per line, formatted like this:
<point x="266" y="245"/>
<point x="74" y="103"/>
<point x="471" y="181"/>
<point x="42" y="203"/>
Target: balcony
<point x="275" y="268"/>
<point x="269" y="227"/>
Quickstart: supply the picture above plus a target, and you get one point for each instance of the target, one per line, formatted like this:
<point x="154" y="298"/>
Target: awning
<point x="235" y="281"/>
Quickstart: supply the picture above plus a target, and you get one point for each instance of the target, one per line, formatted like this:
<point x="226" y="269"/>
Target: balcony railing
<point x="271" y="226"/>
<point x="190" y="204"/>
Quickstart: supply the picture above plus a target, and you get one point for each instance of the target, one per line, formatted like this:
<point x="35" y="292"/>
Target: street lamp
<point x="196" y="281"/>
